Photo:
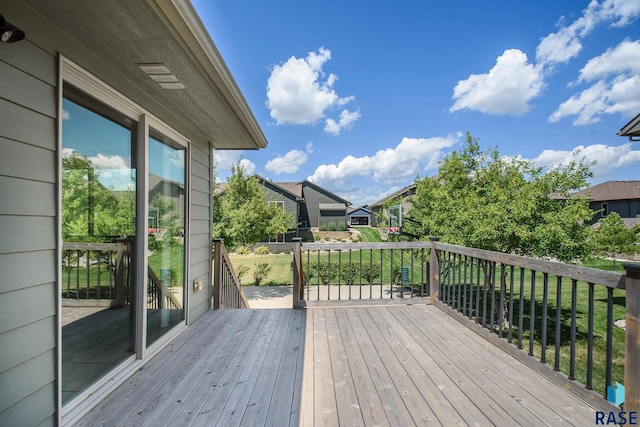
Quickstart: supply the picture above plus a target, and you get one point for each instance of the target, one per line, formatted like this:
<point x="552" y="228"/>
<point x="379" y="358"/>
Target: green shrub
<point x="241" y="271"/>
<point x="261" y="250"/>
<point x="243" y="250"/>
<point x="332" y="226"/>
<point x="341" y="226"/>
<point x="322" y="227"/>
<point x="260" y="273"/>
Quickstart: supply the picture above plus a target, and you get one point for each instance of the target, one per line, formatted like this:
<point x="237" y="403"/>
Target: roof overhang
<point x="631" y="129"/>
<point x="111" y="39"/>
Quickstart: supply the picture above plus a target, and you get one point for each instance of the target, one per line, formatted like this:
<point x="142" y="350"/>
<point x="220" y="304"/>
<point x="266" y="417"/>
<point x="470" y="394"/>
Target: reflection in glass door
<point x="166" y="228"/>
<point x="98" y="180"/>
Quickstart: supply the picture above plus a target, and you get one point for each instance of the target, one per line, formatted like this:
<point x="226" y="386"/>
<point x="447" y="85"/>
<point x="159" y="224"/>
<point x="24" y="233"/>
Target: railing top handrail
<point x="80" y="246"/>
<point x="319" y="246"/>
<point x="585" y="274"/>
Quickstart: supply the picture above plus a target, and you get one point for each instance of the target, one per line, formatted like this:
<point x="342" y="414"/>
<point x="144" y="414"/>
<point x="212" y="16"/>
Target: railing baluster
<point x="608" y="367"/>
<point x="532" y="313"/>
<point x="500" y="319"/>
<point x="590" y="338"/>
<point x="370" y="273"/>
<point x="545" y="291"/>
<point x="510" y="317"/>
<point x="556" y="364"/>
<point x="478" y="289"/>
<point x="521" y="309"/>
<point x="339" y="272"/>
<point x="574" y="312"/>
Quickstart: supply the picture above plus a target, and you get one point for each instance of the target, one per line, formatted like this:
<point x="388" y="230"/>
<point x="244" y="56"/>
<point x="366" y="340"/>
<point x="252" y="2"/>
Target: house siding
<point x="29" y="260"/>
<point x="313" y="198"/>
<point x="28" y="227"/>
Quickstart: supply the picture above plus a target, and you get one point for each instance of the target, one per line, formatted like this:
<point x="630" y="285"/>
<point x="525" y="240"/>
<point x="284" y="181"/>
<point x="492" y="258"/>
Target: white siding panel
<point x="22" y="124"/>
<point x="32" y="60"/>
<point x="200" y="226"/>
<point x="24" y="306"/>
<point x="27" y="161"/>
<point x="41" y="266"/>
<point x="199" y="198"/>
<point x="199" y="212"/>
<point x="200" y="254"/>
<point x="21" y="234"/>
<point x="200" y="184"/>
<point x="14" y="349"/>
<point x="22" y="197"/>
<point x="21" y="381"/>
<point x="33" y="410"/>
<point x="23" y="89"/>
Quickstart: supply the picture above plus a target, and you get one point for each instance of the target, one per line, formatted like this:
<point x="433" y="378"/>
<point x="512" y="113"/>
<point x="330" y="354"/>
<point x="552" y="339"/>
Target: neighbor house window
<point x="605" y="209"/>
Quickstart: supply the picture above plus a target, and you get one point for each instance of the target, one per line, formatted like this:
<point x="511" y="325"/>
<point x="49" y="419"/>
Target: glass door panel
<point x="98" y="231"/>
<point x="166" y="229"/>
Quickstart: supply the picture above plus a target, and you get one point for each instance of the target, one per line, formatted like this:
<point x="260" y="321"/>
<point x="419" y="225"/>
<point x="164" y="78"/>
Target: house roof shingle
<point x="612" y="190"/>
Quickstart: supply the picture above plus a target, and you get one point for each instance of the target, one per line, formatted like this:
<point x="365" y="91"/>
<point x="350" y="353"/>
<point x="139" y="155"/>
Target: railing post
<point x="434" y="271"/>
<point x="122" y="252"/>
<point x="217" y="271"/>
<point x="298" y="287"/>
<point x="632" y="339"/>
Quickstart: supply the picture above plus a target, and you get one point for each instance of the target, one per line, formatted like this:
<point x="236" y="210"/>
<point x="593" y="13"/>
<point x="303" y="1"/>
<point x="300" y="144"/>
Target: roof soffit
<point x="123" y="34"/>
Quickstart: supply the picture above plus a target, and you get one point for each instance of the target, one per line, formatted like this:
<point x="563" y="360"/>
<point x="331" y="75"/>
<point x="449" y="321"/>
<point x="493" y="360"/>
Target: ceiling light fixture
<point x="9" y="33"/>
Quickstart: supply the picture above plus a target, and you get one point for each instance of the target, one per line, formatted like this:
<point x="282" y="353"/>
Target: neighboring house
<point x="312" y="205"/>
<point x="632" y="129"/>
<point x="139" y="88"/>
<point x="360" y="216"/>
<point x="167" y="190"/>
<point x="401" y="197"/>
<point x="622" y="197"/>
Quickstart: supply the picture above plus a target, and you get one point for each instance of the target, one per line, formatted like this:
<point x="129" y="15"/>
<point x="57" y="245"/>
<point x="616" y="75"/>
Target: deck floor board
<point x="388" y="365"/>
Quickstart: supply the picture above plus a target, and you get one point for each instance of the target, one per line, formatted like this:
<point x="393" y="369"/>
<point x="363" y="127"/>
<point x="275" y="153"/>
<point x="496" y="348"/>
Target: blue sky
<point x="360" y="97"/>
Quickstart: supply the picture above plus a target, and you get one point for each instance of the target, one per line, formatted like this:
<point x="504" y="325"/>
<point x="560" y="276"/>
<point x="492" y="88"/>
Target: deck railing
<point x="227" y="291"/>
<point x="361" y="271"/>
<point x="528" y="304"/>
<point x="96" y="271"/>
<point x="102" y="273"/>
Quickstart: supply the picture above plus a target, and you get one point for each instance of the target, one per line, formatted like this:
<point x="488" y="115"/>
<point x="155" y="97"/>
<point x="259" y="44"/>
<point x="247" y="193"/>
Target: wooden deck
<point x="396" y="365"/>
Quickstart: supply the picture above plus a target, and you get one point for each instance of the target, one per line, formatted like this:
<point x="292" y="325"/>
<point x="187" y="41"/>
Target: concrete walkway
<point x="269" y="296"/>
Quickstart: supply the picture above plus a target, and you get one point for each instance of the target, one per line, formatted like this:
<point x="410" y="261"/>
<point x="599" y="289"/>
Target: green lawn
<point x="280" y="274"/>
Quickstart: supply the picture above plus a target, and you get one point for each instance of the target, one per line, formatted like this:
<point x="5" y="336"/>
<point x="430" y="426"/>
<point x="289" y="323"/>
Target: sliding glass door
<point x="123" y="221"/>
<point x="98" y="229"/>
<point x="166" y="253"/>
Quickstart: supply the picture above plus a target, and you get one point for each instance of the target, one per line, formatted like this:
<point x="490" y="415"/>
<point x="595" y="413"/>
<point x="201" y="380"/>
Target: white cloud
<point x="102" y="161"/>
<point x="289" y="163"/>
<point x="392" y="165"/>
<point x="623" y="58"/>
<point x="616" y="88"/>
<point x="347" y="118"/>
<point x="309" y="147"/>
<point x="224" y="159"/>
<point x="506" y="89"/>
<point x="512" y="83"/>
<point x="298" y="92"/>
<point x="248" y="166"/>
<point x="566" y="44"/>
<point x="607" y="158"/>
<point x="65" y="115"/>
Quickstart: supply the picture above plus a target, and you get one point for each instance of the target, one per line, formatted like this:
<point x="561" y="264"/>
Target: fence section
<point x="227" y="291"/>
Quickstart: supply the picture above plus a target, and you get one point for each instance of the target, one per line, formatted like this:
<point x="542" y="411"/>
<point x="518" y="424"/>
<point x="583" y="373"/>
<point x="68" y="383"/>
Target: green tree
<point x="241" y="213"/>
<point x="91" y="211"/>
<point x="482" y="200"/>
<point x="613" y="238"/>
